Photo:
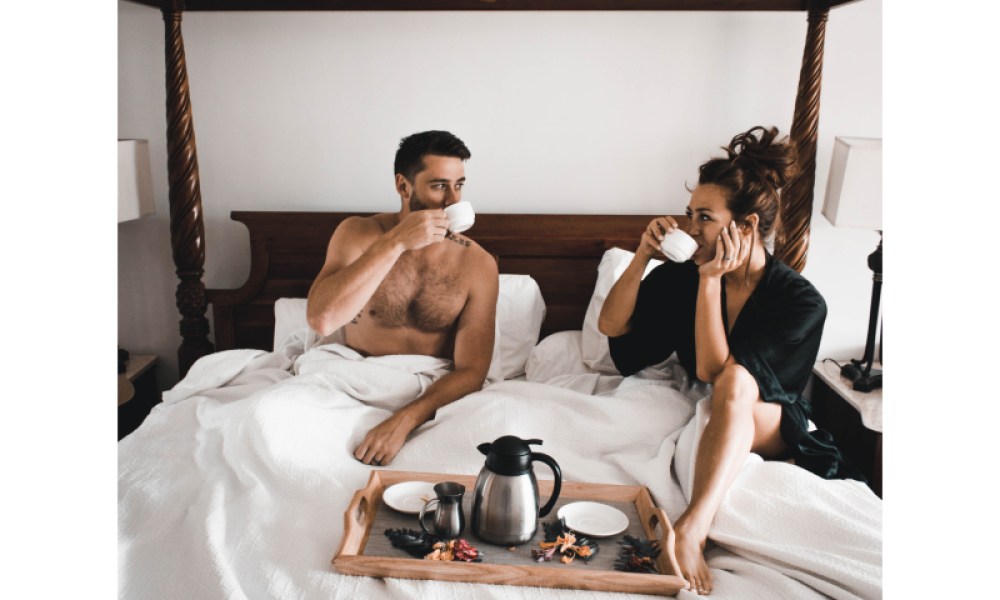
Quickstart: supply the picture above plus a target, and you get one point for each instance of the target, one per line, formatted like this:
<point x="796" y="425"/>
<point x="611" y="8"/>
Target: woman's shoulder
<point x="793" y="286"/>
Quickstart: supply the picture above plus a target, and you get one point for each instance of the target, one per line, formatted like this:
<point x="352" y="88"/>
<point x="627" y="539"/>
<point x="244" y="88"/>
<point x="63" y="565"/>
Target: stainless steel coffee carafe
<point x="505" y="507"/>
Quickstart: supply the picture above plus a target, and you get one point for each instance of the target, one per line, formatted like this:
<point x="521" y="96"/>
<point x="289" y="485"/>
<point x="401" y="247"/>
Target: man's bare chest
<point x="419" y="293"/>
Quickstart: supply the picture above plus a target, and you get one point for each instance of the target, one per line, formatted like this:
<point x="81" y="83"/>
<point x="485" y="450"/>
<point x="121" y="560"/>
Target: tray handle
<point x="667" y="553"/>
<point x="358" y="518"/>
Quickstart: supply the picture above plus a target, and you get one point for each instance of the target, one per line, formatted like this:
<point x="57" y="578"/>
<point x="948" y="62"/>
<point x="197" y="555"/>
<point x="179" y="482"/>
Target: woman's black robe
<point x="776" y="338"/>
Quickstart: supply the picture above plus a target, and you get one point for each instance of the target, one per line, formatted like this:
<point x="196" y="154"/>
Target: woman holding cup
<point x="737" y="318"/>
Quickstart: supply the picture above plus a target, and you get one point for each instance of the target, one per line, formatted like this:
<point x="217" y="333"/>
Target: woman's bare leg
<point x="740" y="423"/>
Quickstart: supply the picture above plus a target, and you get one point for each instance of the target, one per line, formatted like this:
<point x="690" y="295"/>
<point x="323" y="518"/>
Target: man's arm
<point x="358" y="258"/>
<point x="473" y="353"/>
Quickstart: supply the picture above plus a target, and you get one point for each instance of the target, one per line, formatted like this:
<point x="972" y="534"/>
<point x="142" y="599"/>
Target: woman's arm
<point x="616" y="313"/>
<point x="711" y="348"/>
<point x="710" y="344"/>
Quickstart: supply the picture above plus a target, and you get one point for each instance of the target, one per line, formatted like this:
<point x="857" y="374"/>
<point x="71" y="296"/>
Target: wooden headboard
<point x="187" y="229"/>
<point x="561" y="252"/>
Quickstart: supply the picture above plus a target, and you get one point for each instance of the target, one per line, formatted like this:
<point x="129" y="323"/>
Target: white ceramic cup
<point x="678" y="246"/>
<point x="460" y="216"/>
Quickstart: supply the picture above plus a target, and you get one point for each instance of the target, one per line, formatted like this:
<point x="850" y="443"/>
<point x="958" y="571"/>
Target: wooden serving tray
<point x="362" y="551"/>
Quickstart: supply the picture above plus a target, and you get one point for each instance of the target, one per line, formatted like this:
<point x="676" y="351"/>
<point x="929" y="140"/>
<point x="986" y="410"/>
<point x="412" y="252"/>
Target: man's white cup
<point x="678" y="246"/>
<point x="460" y="216"/>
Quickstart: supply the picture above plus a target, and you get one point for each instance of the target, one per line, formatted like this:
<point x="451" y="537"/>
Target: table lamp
<point x="854" y="199"/>
<point x="135" y="184"/>
<point x="135" y="200"/>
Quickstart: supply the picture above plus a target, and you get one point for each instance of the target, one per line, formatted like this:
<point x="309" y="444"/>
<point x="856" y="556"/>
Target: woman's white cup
<point x="678" y="246"/>
<point x="460" y="216"/>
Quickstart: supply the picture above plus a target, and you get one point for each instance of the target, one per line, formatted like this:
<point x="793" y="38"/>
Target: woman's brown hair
<point x="755" y="169"/>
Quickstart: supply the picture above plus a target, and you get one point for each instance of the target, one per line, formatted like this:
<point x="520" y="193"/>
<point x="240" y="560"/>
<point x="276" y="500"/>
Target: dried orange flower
<point x="565" y="543"/>
<point x="442" y="551"/>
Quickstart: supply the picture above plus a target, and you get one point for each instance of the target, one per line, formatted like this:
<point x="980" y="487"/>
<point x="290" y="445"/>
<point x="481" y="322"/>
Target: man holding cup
<point x="410" y="283"/>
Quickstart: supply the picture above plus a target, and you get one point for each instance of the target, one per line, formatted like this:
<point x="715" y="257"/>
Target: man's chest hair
<point x="419" y="293"/>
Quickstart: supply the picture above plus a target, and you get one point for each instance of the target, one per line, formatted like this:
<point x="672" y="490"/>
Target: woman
<point x="738" y="319"/>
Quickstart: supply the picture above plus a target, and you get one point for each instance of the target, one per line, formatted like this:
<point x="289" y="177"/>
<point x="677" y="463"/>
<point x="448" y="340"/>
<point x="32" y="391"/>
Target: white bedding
<point x="235" y="487"/>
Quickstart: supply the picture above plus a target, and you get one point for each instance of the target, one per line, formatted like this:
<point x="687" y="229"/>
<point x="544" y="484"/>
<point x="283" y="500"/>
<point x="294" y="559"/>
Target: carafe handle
<point x="556" y="484"/>
<point x="424" y="510"/>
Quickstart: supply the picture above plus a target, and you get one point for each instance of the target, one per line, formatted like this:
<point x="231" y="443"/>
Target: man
<point x="401" y="283"/>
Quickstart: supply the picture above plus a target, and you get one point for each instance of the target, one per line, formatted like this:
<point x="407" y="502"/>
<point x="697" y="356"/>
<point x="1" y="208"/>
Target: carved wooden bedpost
<point x="797" y="199"/>
<point x="187" y="229"/>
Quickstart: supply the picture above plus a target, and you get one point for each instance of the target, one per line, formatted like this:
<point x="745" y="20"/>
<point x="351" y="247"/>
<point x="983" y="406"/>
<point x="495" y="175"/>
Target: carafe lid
<point x="508" y="455"/>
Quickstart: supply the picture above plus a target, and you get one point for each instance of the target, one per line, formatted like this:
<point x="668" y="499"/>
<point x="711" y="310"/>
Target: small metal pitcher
<point x="449" y="520"/>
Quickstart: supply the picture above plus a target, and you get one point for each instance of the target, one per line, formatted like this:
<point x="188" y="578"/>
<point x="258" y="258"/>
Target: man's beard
<point x="416" y="203"/>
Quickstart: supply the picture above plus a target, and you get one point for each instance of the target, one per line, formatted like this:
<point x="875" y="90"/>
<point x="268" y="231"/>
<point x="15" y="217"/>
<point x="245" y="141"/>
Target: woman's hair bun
<point x="757" y="151"/>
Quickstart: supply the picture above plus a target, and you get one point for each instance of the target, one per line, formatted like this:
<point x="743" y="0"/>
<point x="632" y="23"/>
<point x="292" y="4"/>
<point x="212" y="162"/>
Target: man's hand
<point x="421" y="228"/>
<point x="384" y="441"/>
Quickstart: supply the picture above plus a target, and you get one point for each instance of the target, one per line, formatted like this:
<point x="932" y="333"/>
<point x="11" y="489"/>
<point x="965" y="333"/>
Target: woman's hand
<point x="732" y="249"/>
<point x="658" y="228"/>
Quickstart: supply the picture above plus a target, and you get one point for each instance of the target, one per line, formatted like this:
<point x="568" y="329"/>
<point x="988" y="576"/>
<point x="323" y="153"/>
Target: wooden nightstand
<point x="141" y="371"/>
<point x="853" y="418"/>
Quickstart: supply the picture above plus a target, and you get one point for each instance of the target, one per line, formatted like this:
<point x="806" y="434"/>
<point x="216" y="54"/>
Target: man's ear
<point x="403" y="187"/>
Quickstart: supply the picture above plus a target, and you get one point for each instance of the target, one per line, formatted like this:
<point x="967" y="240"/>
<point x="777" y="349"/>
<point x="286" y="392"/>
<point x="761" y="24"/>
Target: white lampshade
<point x="854" y="189"/>
<point x="135" y="184"/>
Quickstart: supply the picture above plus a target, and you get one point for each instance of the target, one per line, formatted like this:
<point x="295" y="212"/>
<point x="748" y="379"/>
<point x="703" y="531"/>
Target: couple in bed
<point x="401" y="283"/>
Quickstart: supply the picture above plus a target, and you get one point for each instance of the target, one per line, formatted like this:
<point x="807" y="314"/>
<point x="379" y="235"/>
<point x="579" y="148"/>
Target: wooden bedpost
<point x="187" y="228"/>
<point x="797" y="199"/>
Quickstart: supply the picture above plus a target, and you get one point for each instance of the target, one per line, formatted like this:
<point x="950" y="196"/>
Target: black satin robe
<point x="776" y="338"/>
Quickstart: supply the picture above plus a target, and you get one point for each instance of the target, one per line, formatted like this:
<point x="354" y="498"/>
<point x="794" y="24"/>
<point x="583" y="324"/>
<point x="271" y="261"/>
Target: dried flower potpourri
<point x="454" y="550"/>
<point x="637" y="556"/>
<point x="563" y="541"/>
<point x="423" y="545"/>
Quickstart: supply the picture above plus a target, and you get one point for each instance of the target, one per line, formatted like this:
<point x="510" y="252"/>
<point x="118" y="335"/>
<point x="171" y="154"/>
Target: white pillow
<point x="520" y="311"/>
<point x="289" y="316"/>
<point x="555" y="356"/>
<point x="593" y="343"/>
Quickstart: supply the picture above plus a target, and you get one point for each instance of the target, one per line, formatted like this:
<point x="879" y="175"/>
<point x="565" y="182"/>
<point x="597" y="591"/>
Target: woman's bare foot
<point x="689" y="544"/>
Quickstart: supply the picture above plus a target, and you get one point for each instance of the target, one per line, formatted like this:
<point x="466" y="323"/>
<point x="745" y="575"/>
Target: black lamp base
<point x="867" y="383"/>
<point x="860" y="372"/>
<point x="855" y="372"/>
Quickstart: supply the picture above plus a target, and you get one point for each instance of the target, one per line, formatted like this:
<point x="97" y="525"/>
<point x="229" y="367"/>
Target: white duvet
<point x="235" y="487"/>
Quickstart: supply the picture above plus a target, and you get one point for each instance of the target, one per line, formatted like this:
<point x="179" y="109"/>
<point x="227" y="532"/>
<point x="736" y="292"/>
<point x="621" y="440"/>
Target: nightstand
<point x="853" y="418"/>
<point x="141" y="371"/>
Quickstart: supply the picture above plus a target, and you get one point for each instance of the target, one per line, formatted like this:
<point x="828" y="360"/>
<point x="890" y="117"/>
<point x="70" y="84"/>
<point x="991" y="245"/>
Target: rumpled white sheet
<point x="236" y="485"/>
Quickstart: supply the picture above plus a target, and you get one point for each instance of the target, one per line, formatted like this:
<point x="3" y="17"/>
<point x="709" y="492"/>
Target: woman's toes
<point x="695" y="585"/>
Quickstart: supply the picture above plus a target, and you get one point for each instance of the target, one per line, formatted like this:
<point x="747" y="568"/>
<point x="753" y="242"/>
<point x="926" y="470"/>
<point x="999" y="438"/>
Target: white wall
<point x="563" y="112"/>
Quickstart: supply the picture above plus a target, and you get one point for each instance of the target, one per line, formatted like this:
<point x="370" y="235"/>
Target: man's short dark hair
<point x="413" y="149"/>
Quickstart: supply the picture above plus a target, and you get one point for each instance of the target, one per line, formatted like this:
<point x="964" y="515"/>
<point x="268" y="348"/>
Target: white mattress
<point x="236" y="485"/>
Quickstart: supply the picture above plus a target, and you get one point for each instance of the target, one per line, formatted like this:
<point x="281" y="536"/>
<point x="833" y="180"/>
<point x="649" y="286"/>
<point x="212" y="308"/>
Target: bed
<point x="235" y="485"/>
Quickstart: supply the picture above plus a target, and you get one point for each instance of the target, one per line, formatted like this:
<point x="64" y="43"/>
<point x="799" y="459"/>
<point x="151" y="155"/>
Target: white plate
<point x="593" y="518"/>
<point x="408" y="497"/>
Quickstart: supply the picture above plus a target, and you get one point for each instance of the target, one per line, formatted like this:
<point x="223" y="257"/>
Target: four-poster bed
<point x="186" y="217"/>
<point x="237" y="484"/>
